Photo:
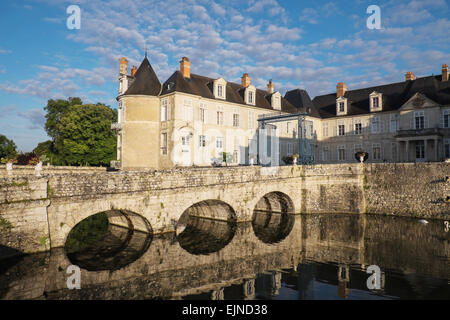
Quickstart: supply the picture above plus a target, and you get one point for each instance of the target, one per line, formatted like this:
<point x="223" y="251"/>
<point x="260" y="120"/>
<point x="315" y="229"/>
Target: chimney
<point x="270" y="87"/>
<point x="245" y="80"/>
<point x="123" y="66"/>
<point x="133" y="71"/>
<point x="341" y="88"/>
<point x="185" y="67"/>
<point x="445" y="72"/>
<point x="410" y="76"/>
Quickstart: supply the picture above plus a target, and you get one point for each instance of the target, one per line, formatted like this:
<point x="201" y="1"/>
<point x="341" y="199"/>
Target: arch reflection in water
<point x="273" y="217"/>
<point x="206" y="227"/>
<point x="108" y="240"/>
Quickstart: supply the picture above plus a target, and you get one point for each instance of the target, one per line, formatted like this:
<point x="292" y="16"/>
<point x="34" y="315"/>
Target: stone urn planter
<point x="9" y="167"/>
<point x="361" y="156"/>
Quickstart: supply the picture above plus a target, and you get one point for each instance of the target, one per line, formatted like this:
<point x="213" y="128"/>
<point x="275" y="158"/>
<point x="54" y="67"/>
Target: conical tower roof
<point x="146" y="82"/>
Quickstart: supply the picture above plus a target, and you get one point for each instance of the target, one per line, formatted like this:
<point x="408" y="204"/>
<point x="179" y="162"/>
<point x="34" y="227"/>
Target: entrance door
<point x="186" y="148"/>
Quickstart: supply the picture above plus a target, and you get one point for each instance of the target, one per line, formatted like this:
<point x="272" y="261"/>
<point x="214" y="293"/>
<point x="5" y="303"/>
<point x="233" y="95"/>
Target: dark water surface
<point x="277" y="256"/>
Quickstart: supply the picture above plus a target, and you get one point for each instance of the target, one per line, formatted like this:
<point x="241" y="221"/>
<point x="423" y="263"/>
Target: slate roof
<point x="301" y="100"/>
<point x="394" y="96"/>
<point x="203" y="86"/>
<point x="145" y="81"/>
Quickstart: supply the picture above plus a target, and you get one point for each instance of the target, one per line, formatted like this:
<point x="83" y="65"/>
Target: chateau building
<point x="192" y="120"/>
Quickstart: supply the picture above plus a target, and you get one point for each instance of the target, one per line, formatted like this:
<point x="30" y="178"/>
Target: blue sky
<point x="307" y="44"/>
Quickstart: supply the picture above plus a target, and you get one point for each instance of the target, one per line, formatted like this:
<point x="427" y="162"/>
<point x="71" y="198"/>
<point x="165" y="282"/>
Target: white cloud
<point x="36" y="118"/>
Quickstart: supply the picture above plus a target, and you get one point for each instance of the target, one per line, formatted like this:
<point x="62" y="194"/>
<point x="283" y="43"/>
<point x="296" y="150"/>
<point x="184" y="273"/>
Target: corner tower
<point x="138" y="126"/>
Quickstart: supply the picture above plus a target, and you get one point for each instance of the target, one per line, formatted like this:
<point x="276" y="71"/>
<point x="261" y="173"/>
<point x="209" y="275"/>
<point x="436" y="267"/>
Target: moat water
<point x="277" y="256"/>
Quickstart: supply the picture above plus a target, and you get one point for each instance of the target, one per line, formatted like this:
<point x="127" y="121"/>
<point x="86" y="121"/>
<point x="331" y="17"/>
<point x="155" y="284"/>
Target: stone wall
<point x="419" y="190"/>
<point x="20" y="171"/>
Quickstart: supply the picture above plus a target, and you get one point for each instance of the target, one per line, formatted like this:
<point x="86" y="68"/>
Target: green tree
<point x="8" y="148"/>
<point x="81" y="133"/>
<point x="44" y="148"/>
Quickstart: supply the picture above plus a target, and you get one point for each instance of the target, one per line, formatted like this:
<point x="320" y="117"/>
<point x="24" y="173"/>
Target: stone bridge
<point x="38" y="212"/>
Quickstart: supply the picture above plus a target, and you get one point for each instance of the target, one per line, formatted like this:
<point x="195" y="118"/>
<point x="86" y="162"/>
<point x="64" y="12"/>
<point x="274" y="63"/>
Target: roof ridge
<point x="378" y="86"/>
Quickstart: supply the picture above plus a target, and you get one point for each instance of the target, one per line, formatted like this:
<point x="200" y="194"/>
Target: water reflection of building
<point x="268" y="284"/>
<point x="239" y="270"/>
<point x="343" y="280"/>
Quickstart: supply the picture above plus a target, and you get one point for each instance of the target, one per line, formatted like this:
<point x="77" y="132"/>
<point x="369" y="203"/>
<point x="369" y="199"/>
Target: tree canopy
<point x="8" y="148"/>
<point x="81" y="133"/>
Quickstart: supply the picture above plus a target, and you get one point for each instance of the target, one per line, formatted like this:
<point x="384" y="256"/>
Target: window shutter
<point x="412" y="123"/>
<point x="442" y="123"/>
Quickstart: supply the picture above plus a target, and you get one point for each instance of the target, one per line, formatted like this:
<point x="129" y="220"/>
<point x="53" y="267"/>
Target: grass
<point x="17" y="184"/>
<point x="5" y="224"/>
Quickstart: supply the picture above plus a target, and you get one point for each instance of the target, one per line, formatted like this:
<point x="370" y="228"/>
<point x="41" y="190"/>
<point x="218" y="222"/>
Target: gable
<point x="418" y="101"/>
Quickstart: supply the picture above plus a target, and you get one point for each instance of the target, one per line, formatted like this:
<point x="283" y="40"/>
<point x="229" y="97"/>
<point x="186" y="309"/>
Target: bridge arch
<point x="272" y="218"/>
<point x="206" y="227"/>
<point x="108" y="240"/>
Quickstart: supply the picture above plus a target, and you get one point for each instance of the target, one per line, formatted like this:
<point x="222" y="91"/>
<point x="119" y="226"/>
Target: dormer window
<point x="341" y="106"/>
<point x="276" y="101"/>
<point x="220" y="86"/>
<point x="376" y="103"/>
<point x="250" y="95"/>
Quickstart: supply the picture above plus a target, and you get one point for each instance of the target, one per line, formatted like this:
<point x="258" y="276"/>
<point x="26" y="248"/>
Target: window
<point x="219" y="142"/>
<point x="290" y="149"/>
<point x="341" y="153"/>
<point x="394" y="151"/>
<point x="220" y="88"/>
<point x="164" y="109"/>
<point x="251" y="119"/>
<point x="420" y="149"/>
<point x="446" y="119"/>
<point x="375" y="125"/>
<point x="376" y="151"/>
<point x="341" y="106"/>
<point x="394" y="123"/>
<point x="220" y="118"/>
<point x="376" y="102"/>
<point x="250" y="95"/>
<point x="188" y="111"/>
<point x="121" y="113"/>
<point x="358" y="127"/>
<point x="447" y="148"/>
<point x="325" y="154"/>
<point x="202" y="113"/>
<point x="186" y="140"/>
<point x="341" y="130"/>
<point x="325" y="129"/>
<point x="419" y="120"/>
<point x="201" y="141"/>
<point x="163" y="143"/>
<point x="235" y="120"/>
